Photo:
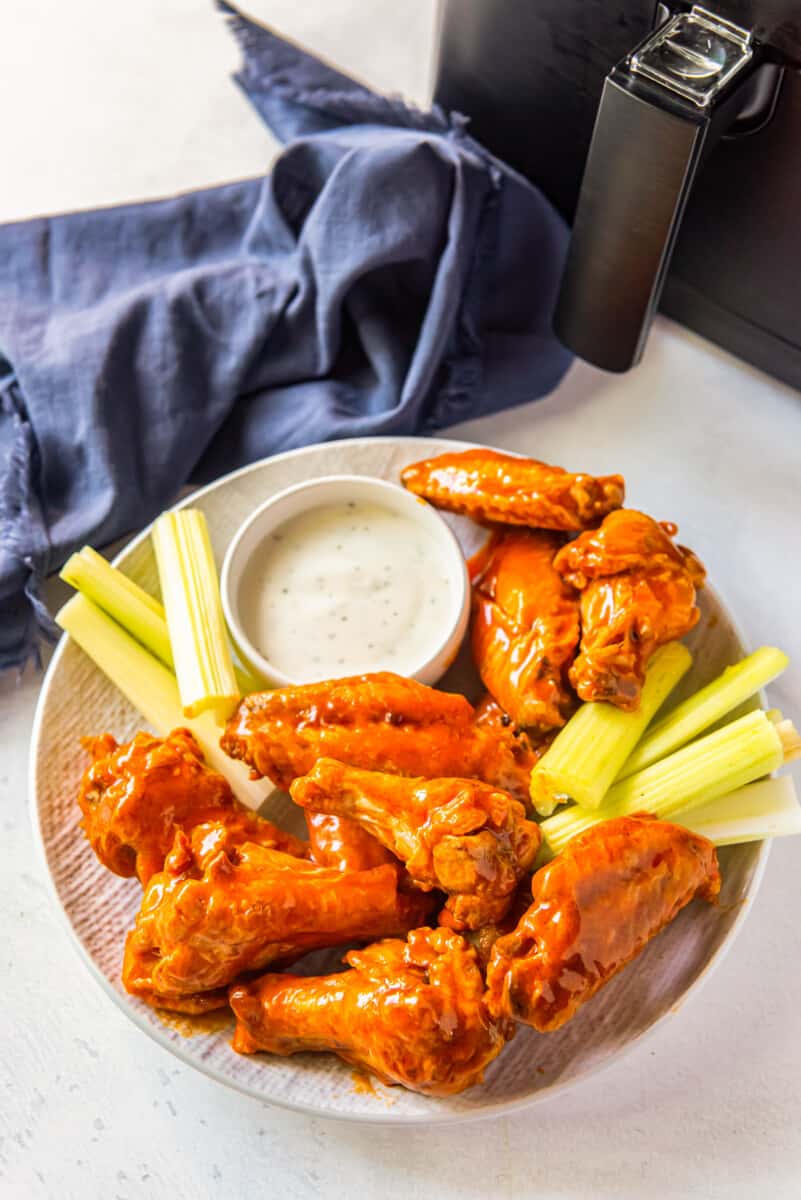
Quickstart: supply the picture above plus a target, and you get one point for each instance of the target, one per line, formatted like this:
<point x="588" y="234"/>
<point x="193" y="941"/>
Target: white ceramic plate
<point x="99" y="908"/>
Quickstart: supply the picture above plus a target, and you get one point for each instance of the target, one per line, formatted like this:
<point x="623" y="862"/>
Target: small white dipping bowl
<point x="451" y="619"/>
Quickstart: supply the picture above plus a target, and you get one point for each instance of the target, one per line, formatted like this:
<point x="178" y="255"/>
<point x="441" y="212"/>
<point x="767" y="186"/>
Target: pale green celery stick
<point x="790" y="739"/>
<point x="760" y="810"/>
<point x="585" y="756"/>
<point x="705" y="707"/>
<point x="191" y="594"/>
<point x="739" y="753"/>
<point x="131" y="606"/>
<point x="141" y="614"/>
<point x="151" y="688"/>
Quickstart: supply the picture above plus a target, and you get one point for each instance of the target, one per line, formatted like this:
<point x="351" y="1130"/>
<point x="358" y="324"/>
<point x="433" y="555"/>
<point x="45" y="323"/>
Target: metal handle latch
<point x="694" y="54"/>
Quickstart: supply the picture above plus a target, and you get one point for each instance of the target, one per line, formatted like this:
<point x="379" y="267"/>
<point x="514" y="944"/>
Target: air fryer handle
<point x="648" y="141"/>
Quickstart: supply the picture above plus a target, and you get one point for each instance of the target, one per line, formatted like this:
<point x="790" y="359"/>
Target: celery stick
<point x="191" y="594"/>
<point x="151" y="688"/>
<point x="141" y="614"/>
<point x="789" y="738"/>
<point x="135" y="609"/>
<point x="704" y="708"/>
<point x="739" y="753"/>
<point x="759" y="810"/>
<point x="584" y="758"/>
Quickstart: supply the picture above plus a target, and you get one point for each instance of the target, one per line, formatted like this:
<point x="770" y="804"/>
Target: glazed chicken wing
<point x="459" y="835"/>
<point x="412" y="1013"/>
<point x="484" y="938"/>
<point x="133" y="798"/>
<point x="624" y="619"/>
<point x="490" y="715"/>
<point x="596" y="906"/>
<point x="489" y="486"/>
<point x="526" y="628"/>
<point x="338" y="842"/>
<point x="638" y="592"/>
<point x="626" y="540"/>
<point x="215" y="912"/>
<point x="380" y="722"/>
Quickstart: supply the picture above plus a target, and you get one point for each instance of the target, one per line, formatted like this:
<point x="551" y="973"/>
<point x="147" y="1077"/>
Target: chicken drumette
<point x="134" y="797"/>
<point x="215" y="912"/>
<point x="459" y="835"/>
<point x="637" y="592"/>
<point x="596" y="906"/>
<point x="489" y="486"/>
<point x="411" y="1012"/>
<point x="380" y="722"/>
<point x="526" y="628"/>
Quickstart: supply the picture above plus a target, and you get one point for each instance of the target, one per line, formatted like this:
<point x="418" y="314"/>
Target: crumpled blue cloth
<point x="389" y="276"/>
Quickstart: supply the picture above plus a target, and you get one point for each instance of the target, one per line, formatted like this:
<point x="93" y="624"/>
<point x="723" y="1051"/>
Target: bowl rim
<point x="454" y="624"/>
<point x="436" y="1117"/>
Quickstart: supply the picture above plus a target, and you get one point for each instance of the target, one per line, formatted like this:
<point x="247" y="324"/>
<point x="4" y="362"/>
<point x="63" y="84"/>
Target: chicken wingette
<point x="637" y="593"/>
<point x="380" y="722"/>
<point x="595" y="907"/>
<point x="410" y="1012"/>
<point x="215" y="912"/>
<point x="461" y="836"/>
<point x="525" y="628"/>
<point x="489" y="486"/>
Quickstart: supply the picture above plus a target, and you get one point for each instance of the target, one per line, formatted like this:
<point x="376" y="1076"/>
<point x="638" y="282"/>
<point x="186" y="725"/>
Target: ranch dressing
<point x="344" y="589"/>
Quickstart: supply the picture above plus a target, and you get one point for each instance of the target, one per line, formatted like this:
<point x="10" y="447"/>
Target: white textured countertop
<point x="104" y="103"/>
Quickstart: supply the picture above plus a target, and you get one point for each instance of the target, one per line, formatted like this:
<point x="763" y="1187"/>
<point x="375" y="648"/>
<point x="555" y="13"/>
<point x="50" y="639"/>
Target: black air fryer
<point x="669" y="136"/>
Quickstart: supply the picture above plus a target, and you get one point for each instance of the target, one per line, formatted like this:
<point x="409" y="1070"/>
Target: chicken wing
<point x="489" y="486"/>
<point x="490" y="715"/>
<point x="338" y="842"/>
<point x="412" y="1013"/>
<point x="459" y="835"/>
<point x="626" y="540"/>
<point x="526" y="628"/>
<point x="483" y="939"/>
<point x="596" y="905"/>
<point x="638" y="592"/>
<point x="215" y="912"/>
<point x="380" y="722"/>
<point x="133" y="798"/>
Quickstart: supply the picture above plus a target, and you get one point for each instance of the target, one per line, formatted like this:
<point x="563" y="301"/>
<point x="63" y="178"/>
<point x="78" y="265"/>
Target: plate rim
<point x="435" y="1117"/>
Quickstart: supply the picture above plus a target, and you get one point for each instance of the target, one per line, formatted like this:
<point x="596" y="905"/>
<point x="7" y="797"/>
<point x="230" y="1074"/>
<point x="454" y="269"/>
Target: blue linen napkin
<point x="389" y="276"/>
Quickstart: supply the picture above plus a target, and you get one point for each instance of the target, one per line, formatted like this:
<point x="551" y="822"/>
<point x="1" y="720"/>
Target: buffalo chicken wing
<point x="216" y="912"/>
<point x="637" y="592"/>
<point x="489" y="486"/>
<point x="490" y="715"/>
<point x="411" y="1012"/>
<point x="462" y="836"/>
<point x="380" y="722"/>
<point x="338" y="842"/>
<point x="526" y="628"/>
<point x="134" y="797"/>
<point x="596" y="906"/>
